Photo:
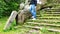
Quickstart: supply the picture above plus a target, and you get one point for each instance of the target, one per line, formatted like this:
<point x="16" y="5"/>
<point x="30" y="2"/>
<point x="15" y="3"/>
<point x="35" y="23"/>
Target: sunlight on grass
<point x="11" y="30"/>
<point x="2" y="23"/>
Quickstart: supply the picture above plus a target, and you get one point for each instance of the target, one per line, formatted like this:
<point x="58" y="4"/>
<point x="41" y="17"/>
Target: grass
<point x="2" y="23"/>
<point x="20" y="30"/>
<point x="12" y="30"/>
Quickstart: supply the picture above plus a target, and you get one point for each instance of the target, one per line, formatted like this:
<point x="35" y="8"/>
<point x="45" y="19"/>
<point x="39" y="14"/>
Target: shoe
<point x="32" y="17"/>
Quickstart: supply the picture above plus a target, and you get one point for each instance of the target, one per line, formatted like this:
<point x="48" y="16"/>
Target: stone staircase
<point x="50" y="20"/>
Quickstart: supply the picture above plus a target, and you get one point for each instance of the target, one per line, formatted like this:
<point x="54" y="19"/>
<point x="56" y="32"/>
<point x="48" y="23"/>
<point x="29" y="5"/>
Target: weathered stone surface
<point x="21" y="6"/>
<point x="22" y="16"/>
<point x="33" y="31"/>
<point x="10" y="20"/>
<point x="40" y="4"/>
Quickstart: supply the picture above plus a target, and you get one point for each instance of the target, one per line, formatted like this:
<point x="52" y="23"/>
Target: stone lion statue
<point x="24" y="13"/>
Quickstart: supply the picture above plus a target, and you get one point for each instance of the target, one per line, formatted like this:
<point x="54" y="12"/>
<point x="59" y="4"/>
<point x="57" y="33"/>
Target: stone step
<point x="57" y="18"/>
<point x="52" y="11"/>
<point x="42" y="24"/>
<point x="57" y="26"/>
<point x="53" y="8"/>
<point x="53" y="4"/>
<point x="49" y="10"/>
<point x="42" y="27"/>
<point x="46" y="15"/>
<point x="51" y="14"/>
<point x="44" y="20"/>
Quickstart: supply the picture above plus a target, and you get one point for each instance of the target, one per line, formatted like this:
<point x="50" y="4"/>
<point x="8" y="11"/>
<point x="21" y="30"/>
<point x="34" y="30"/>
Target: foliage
<point x="7" y="6"/>
<point x="53" y="1"/>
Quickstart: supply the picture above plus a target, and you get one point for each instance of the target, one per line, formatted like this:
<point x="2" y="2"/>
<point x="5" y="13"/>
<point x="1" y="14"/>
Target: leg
<point x="31" y="10"/>
<point x="34" y="11"/>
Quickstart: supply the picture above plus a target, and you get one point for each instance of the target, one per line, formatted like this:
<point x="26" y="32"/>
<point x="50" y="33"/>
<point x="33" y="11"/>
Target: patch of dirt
<point x="33" y="31"/>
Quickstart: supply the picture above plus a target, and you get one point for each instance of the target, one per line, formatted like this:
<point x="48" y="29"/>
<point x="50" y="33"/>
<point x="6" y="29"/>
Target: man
<point x="33" y="4"/>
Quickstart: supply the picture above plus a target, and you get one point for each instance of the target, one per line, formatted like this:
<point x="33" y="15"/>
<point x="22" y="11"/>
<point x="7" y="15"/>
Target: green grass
<point x="12" y="30"/>
<point x="2" y="23"/>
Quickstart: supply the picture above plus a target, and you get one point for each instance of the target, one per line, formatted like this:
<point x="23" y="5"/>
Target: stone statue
<point x="24" y="13"/>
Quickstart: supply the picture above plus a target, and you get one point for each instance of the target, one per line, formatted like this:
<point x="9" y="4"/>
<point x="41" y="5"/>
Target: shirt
<point x="33" y="2"/>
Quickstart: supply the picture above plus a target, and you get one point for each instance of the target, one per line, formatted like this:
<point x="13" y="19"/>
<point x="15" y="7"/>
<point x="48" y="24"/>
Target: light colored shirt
<point x="39" y="2"/>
